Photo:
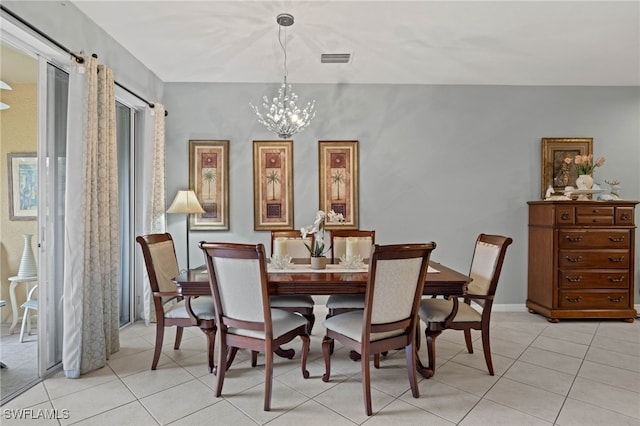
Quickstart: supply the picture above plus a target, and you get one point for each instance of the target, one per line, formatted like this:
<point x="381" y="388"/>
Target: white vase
<point x="28" y="262"/>
<point x="584" y="182"/>
<point x="318" y="262"/>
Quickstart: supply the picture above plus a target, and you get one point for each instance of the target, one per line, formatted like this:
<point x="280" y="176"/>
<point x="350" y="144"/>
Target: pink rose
<point x="600" y="161"/>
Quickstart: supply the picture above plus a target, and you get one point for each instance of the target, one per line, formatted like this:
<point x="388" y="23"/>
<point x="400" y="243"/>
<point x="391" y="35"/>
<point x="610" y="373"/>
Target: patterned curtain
<point x="153" y="189"/>
<point x="91" y="253"/>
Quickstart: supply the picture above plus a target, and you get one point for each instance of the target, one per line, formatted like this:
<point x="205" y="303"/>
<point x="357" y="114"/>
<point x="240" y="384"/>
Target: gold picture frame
<point x="555" y="170"/>
<point x="272" y="185"/>
<point x="209" y="179"/>
<point x="338" y="178"/>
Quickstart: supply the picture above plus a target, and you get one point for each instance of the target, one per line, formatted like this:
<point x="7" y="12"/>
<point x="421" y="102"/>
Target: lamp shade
<point x="185" y="202"/>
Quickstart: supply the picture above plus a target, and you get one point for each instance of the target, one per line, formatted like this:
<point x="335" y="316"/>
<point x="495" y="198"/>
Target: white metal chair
<point x="31" y="303"/>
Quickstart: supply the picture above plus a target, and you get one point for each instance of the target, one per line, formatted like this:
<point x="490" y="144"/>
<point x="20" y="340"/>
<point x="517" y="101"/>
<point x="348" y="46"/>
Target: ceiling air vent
<point x="335" y="58"/>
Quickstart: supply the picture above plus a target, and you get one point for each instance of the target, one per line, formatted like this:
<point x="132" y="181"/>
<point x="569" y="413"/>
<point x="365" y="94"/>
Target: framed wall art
<point x="338" y="179"/>
<point x="209" y="179"/>
<point x="23" y="186"/>
<point x="272" y="185"/>
<point x="558" y="168"/>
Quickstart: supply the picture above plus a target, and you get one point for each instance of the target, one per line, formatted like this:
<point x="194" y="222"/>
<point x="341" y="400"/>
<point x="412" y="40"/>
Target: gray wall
<point x="440" y="163"/>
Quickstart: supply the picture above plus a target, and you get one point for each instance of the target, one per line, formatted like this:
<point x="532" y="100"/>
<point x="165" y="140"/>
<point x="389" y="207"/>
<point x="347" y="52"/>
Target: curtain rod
<point x="79" y="59"/>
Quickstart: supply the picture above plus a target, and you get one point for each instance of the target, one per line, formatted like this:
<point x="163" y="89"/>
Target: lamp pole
<point x="186" y="202"/>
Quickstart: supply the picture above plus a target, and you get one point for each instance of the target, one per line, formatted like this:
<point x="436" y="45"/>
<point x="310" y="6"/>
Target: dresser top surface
<point x="585" y="203"/>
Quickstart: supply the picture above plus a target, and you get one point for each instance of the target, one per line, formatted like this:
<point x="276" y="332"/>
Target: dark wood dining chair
<point x="342" y="303"/>
<point x="238" y="280"/>
<point x="389" y="320"/>
<point x="170" y="308"/>
<point x="450" y="313"/>
<point x="295" y="247"/>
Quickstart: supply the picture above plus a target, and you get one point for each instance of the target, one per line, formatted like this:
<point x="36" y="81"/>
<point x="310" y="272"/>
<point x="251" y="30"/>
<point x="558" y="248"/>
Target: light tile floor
<point x="571" y="373"/>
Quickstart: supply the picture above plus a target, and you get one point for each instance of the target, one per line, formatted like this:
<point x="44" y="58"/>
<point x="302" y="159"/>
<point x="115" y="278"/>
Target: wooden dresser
<point x="581" y="259"/>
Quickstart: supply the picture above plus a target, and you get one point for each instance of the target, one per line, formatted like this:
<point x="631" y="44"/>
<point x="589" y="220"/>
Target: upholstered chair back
<point x="364" y="240"/>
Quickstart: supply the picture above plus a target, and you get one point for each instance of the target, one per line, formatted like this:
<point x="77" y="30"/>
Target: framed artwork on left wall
<point x="23" y="185"/>
<point x="209" y="179"/>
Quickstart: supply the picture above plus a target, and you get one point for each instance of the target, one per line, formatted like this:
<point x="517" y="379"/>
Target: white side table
<point x="14" y="281"/>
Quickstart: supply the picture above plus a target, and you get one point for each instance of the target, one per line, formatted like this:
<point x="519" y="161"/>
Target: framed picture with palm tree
<point x="272" y="185"/>
<point x="338" y="169"/>
<point x="209" y="179"/>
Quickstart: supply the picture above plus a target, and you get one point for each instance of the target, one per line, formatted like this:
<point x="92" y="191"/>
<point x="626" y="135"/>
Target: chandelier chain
<point x="281" y="115"/>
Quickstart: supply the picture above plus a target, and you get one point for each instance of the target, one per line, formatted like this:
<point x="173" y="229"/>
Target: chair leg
<point x="220" y="371"/>
<point x="410" y="353"/>
<point x="254" y="358"/>
<point x="306" y="342"/>
<point x="467" y="339"/>
<point x="268" y="380"/>
<point x="487" y="347"/>
<point x="231" y="355"/>
<point x="158" y="348"/>
<point x="376" y="360"/>
<point x="327" y="343"/>
<point x="366" y="382"/>
<point x="179" y="331"/>
<point x="311" y="320"/>
<point x="431" y="347"/>
<point x="25" y="317"/>
<point x="211" y="342"/>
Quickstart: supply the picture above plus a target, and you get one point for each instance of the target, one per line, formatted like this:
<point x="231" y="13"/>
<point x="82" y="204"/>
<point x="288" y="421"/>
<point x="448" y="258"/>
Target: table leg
<point x="14" y="305"/>
<point x="425" y="372"/>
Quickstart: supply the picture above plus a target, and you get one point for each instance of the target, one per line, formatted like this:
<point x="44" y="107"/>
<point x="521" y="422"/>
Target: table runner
<point x="330" y="268"/>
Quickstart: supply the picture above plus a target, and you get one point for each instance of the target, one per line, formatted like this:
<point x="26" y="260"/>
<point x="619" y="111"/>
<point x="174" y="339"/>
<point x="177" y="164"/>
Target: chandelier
<point x="283" y="116"/>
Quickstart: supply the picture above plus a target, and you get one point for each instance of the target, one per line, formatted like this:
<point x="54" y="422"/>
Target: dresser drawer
<point x="594" y="215"/>
<point x="593" y="259"/>
<point x="569" y="299"/>
<point x="605" y="238"/>
<point x="578" y="279"/>
<point x="565" y="215"/>
<point x="624" y="215"/>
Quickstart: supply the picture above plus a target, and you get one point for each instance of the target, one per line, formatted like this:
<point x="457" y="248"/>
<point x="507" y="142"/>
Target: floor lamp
<point x="187" y="203"/>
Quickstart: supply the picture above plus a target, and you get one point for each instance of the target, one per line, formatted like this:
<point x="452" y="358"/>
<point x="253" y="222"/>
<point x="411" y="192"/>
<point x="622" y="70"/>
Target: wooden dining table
<point x="441" y="281"/>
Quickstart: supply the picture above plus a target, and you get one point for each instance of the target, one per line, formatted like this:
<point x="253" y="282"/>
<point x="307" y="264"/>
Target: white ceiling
<point x="414" y="42"/>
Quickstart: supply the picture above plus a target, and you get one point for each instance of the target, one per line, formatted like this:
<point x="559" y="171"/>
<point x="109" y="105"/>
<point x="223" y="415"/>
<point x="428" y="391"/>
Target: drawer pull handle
<point x="616" y="259"/>
<point x="625" y="216"/>
<point x="616" y="299"/>
<point x="616" y="239"/>
<point x="574" y="299"/>
<point x="575" y="279"/>
<point x="595" y="210"/>
<point x="574" y="239"/>
<point x="565" y="216"/>
<point x="575" y="259"/>
<point x="616" y="280"/>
